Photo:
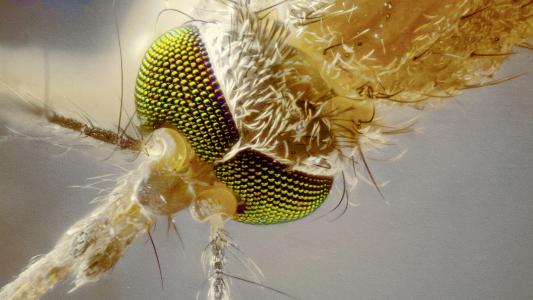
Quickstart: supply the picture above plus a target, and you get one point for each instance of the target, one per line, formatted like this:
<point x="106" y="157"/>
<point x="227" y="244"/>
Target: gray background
<point x="456" y="222"/>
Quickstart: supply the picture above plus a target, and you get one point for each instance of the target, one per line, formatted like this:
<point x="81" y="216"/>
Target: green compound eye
<point x="177" y="85"/>
<point x="269" y="192"/>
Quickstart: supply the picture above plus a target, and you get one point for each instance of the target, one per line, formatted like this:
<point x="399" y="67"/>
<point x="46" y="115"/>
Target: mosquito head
<point x="176" y="85"/>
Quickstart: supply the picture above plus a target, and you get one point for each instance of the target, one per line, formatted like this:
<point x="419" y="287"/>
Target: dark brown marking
<point x="121" y="140"/>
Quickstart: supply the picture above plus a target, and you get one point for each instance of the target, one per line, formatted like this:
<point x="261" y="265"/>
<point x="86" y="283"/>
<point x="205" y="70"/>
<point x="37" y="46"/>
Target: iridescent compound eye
<point x="269" y="192"/>
<point x="176" y="85"/>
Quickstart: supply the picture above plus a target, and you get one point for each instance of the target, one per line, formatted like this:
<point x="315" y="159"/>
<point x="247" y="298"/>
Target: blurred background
<point x="456" y="221"/>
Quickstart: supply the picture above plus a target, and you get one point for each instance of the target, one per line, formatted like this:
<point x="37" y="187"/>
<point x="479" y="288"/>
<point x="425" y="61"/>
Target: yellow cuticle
<point x="163" y="185"/>
<point x="169" y="151"/>
<point x="214" y="203"/>
<point x="167" y="182"/>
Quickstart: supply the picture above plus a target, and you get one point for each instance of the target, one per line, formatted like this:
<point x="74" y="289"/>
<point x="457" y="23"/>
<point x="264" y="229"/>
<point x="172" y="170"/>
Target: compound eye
<point x="269" y="192"/>
<point x="176" y="85"/>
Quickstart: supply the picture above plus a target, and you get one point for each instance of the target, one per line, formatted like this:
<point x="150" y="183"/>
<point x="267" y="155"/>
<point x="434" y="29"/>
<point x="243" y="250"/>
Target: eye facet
<point x="269" y="192"/>
<point x="177" y="85"/>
